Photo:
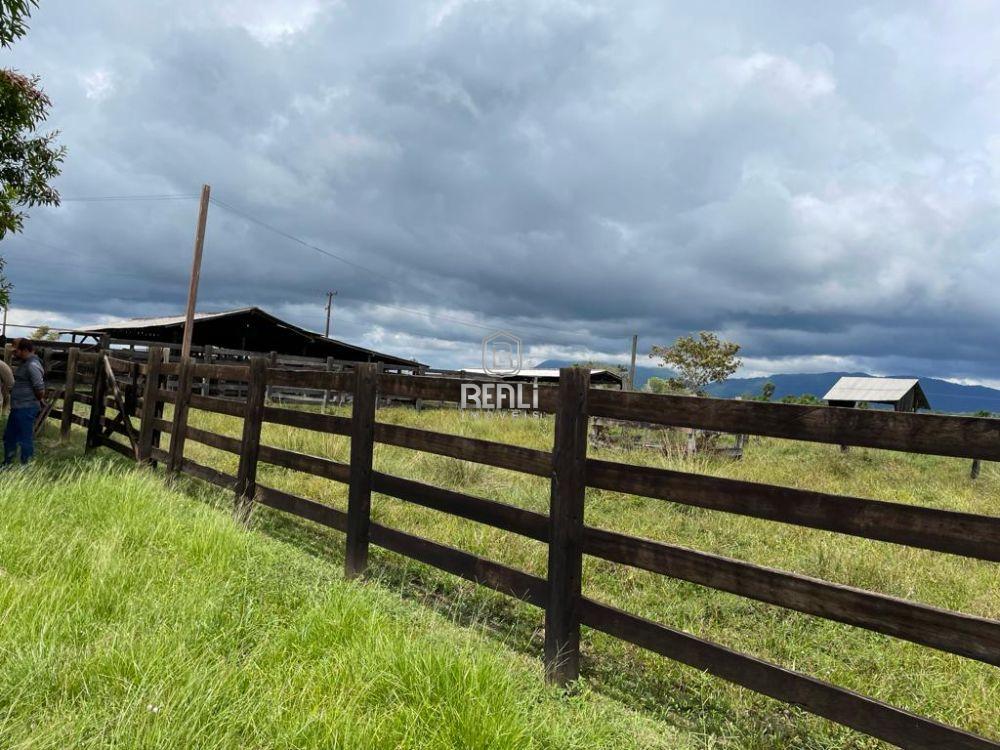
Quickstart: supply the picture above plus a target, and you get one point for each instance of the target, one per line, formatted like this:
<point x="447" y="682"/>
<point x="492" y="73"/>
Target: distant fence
<point x="132" y="388"/>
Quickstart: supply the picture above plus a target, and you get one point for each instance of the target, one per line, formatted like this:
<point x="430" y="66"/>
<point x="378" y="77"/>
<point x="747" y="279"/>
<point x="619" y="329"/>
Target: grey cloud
<point x="814" y="182"/>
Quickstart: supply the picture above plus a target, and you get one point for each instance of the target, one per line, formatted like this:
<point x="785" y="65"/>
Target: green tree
<point x="14" y="19"/>
<point x="806" y="398"/>
<point x="698" y="362"/>
<point x="29" y="160"/>
<point x="661" y="386"/>
<point x="44" y="333"/>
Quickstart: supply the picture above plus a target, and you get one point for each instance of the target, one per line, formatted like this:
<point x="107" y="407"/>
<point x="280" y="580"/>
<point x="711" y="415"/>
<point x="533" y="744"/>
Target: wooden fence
<point x="140" y="389"/>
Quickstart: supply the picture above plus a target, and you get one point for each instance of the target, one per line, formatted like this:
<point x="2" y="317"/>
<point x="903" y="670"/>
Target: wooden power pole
<point x="329" y="309"/>
<point x="631" y="369"/>
<point x="199" y="245"/>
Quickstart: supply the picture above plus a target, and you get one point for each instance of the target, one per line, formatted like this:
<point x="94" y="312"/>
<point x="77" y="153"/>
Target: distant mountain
<point x="943" y="395"/>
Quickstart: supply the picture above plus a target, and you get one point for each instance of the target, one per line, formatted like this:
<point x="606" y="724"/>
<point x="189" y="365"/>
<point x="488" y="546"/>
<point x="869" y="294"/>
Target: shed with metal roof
<point x="903" y="394"/>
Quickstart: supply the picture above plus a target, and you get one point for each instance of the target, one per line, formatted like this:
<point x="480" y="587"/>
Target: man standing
<point x="26" y="398"/>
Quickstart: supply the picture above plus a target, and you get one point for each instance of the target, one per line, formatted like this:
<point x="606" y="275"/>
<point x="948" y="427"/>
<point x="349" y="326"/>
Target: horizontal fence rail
<point x="130" y="389"/>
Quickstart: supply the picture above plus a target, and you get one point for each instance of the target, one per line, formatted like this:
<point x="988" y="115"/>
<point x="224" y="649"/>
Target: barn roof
<point x="261" y="330"/>
<point x="169" y="320"/>
<point x="877" y="390"/>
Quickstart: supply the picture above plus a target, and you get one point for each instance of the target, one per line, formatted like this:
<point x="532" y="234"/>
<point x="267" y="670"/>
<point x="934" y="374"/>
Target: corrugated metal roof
<point x="169" y="320"/>
<point x="870" y="389"/>
<point x="178" y="320"/>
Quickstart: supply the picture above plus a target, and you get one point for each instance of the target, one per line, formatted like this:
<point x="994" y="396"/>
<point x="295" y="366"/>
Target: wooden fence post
<point x="132" y="390"/>
<point x="359" y="498"/>
<point x="569" y="458"/>
<point x="160" y="405"/>
<point x="150" y="400"/>
<point x="246" y="476"/>
<point x="69" y="396"/>
<point x="97" y="394"/>
<point x="178" y="432"/>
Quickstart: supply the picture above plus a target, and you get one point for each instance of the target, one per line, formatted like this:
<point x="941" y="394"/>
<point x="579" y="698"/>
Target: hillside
<point x="944" y="395"/>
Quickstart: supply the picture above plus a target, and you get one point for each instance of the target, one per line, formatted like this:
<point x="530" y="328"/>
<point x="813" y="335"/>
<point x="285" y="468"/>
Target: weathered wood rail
<point x="143" y="391"/>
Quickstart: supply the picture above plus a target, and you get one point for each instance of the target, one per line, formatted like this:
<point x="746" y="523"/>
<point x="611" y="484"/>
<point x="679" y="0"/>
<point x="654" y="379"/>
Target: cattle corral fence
<point x="132" y="388"/>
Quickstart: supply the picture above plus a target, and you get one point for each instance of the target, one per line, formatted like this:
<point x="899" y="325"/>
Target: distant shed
<point x="903" y="394"/>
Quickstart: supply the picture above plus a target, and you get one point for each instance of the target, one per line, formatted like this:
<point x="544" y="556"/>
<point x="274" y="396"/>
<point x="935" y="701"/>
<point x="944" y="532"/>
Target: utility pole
<point x="631" y="369"/>
<point x="329" y="309"/>
<point x="4" y="334"/>
<point x="199" y="245"/>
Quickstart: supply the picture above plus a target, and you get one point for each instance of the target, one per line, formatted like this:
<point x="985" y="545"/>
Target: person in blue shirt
<point x="26" y="399"/>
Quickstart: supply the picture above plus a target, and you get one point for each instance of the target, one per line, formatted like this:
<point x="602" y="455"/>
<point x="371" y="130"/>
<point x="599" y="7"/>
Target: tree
<point x="29" y="160"/>
<point x="662" y="386"/>
<point x="13" y="19"/>
<point x="698" y="362"/>
<point x="767" y="391"/>
<point x="44" y="333"/>
<point x="807" y="399"/>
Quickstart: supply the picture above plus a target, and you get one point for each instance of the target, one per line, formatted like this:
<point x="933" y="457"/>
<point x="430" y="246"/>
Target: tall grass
<point x="135" y="617"/>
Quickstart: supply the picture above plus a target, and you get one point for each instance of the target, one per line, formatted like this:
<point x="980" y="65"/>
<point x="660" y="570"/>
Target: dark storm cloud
<point x="818" y="183"/>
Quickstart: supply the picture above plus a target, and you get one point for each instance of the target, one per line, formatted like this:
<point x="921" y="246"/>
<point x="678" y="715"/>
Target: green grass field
<point x="679" y="706"/>
<point x="135" y="617"/>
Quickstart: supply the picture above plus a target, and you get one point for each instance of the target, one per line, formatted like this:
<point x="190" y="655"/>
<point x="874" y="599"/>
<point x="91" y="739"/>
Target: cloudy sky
<point x="817" y="181"/>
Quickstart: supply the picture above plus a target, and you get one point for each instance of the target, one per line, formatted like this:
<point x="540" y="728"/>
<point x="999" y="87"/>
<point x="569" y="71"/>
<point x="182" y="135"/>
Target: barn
<point x="249" y="329"/>
<point x="902" y="394"/>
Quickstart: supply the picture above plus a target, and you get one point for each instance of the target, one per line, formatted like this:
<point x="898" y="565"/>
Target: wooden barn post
<point x="69" y="396"/>
<point x="359" y="498"/>
<point x="569" y="458"/>
<point x="253" y="419"/>
<point x="272" y="362"/>
<point x="326" y="393"/>
<point x="206" y="382"/>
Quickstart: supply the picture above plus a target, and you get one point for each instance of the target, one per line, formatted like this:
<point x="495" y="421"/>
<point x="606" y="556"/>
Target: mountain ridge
<point x="943" y="394"/>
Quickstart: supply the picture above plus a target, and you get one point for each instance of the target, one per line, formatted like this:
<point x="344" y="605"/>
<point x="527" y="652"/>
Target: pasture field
<point x="950" y="688"/>
<point x="134" y="616"/>
<point x="685" y="707"/>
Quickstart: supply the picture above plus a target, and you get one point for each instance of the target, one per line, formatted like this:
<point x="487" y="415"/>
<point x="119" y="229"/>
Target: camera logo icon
<point x="502" y="354"/>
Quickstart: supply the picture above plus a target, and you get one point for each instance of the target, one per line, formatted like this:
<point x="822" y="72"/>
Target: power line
<point x="292" y="238"/>
<point x="378" y="274"/>
<point x="432" y="315"/>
